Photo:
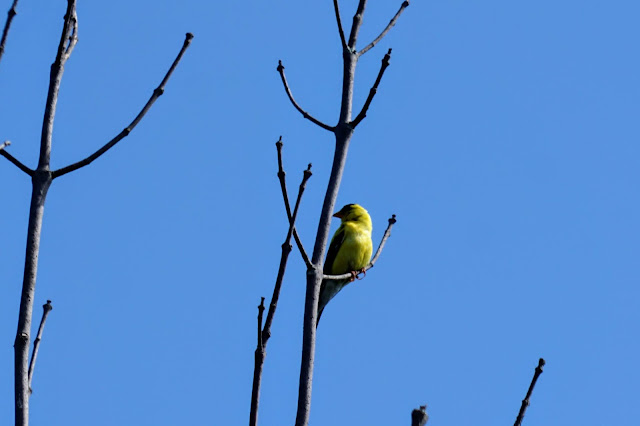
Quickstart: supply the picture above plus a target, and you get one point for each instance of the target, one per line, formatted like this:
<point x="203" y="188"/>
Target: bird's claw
<point x="355" y="275"/>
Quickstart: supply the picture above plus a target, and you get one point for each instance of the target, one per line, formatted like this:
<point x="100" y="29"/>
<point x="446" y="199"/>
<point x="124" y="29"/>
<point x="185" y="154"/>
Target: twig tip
<point x="280" y="66"/>
<point x="392" y="219"/>
<point x="541" y="363"/>
<point x="309" y="167"/>
<point x="189" y="36"/>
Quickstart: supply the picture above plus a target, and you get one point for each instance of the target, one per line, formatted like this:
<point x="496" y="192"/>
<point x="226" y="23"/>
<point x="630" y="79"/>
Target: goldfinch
<point x="349" y="251"/>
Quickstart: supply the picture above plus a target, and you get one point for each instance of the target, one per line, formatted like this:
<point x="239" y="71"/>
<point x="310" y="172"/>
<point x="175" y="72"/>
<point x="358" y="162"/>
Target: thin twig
<point x="419" y="417"/>
<point x="525" y="401"/>
<point x="125" y="132"/>
<point x="372" y="92"/>
<point x="385" y="237"/>
<point x="285" y="196"/>
<point x="404" y="5"/>
<point x="339" y="20"/>
<point x="357" y="23"/>
<point x="265" y="333"/>
<point x="14" y="160"/>
<point x="304" y="113"/>
<point x="36" y="343"/>
<point x="257" y="370"/>
<point x="12" y="12"/>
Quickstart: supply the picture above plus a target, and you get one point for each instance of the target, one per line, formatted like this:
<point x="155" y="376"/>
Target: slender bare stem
<point x="125" y="132"/>
<point x="419" y="417"/>
<point x="257" y="370"/>
<point x="304" y="113"/>
<point x="7" y="25"/>
<point x="385" y="237"/>
<point x="265" y="333"/>
<point x="41" y="181"/>
<point x="403" y="6"/>
<point x="339" y="20"/>
<point x="285" y="196"/>
<point x="36" y="343"/>
<point x="15" y="161"/>
<point x="357" y="23"/>
<point x="372" y="91"/>
<point x="525" y="401"/>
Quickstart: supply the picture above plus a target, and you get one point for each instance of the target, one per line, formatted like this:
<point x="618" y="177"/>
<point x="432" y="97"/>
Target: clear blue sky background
<point x="504" y="136"/>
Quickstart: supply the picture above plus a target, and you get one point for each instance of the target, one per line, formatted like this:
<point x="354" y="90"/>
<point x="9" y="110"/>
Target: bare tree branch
<point x="295" y="104"/>
<point x="525" y="401"/>
<point x="404" y="5"/>
<point x="265" y="334"/>
<point x="286" y="248"/>
<point x="14" y="160"/>
<point x="36" y="343"/>
<point x="372" y="91"/>
<point x="41" y="181"/>
<point x="285" y="196"/>
<point x="257" y="370"/>
<point x="357" y="23"/>
<point x="339" y="20"/>
<point x="12" y="12"/>
<point x="385" y="237"/>
<point x="125" y="132"/>
<point x="419" y="417"/>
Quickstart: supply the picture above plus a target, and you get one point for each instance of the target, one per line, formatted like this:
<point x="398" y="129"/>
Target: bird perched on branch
<point x="349" y="251"/>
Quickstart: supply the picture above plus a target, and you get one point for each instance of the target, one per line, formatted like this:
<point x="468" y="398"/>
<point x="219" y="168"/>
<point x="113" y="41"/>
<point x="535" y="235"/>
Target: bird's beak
<point x="338" y="214"/>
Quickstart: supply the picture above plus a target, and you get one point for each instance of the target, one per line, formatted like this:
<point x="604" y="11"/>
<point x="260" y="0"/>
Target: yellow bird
<point x="349" y="251"/>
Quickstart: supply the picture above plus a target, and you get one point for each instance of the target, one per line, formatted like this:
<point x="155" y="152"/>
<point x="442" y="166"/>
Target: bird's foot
<point x="357" y="275"/>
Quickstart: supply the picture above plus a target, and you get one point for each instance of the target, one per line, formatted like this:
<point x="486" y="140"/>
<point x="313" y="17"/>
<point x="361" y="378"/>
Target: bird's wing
<point x="334" y="248"/>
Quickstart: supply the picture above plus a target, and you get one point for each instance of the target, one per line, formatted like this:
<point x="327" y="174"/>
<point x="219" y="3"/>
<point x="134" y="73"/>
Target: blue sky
<point x="504" y="137"/>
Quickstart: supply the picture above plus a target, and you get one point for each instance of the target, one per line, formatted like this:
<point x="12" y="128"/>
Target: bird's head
<point x="354" y="213"/>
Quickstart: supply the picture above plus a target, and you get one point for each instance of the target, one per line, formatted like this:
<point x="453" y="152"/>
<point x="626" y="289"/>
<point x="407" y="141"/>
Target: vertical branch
<point x="41" y="180"/>
<point x="419" y="417"/>
<point x="265" y="334"/>
<point x="36" y="344"/>
<point x="525" y="401"/>
<point x="257" y="370"/>
<point x="10" y="15"/>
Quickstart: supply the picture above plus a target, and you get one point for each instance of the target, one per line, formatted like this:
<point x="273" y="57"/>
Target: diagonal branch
<point x="357" y="23"/>
<point x="286" y="248"/>
<point x="12" y="12"/>
<point x="304" y="113"/>
<point x="525" y="401"/>
<point x="36" y="343"/>
<point x="372" y="92"/>
<point x="404" y="5"/>
<point x="385" y="237"/>
<point x="265" y="333"/>
<point x="339" y="20"/>
<point x="125" y="132"/>
<point x="14" y="160"/>
<point x="283" y="187"/>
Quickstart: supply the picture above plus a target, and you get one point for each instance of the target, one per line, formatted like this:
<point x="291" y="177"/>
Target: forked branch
<point x="385" y="237"/>
<point x="304" y="113"/>
<point x="7" y="25"/>
<point x="36" y="343"/>
<point x="125" y="132"/>
<point x="283" y="186"/>
<point x="372" y="91"/>
<point x="525" y="401"/>
<point x="404" y="5"/>
<point x="265" y="333"/>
